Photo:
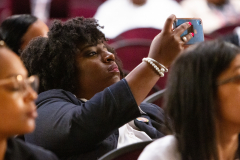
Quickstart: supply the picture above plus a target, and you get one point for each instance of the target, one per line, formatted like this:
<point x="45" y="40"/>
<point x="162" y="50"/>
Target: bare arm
<point x="165" y="47"/>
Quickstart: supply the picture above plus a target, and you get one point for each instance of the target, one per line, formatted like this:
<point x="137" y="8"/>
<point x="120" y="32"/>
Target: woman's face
<point x="96" y="70"/>
<point x="38" y="28"/>
<point x="229" y="94"/>
<point x="217" y="2"/>
<point x="17" y="107"/>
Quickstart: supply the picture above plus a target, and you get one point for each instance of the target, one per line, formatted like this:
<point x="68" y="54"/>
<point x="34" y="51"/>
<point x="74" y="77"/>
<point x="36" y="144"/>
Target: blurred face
<point x="229" y="94"/>
<point x="217" y="2"/>
<point x="17" y="107"/>
<point x="139" y="2"/>
<point x="96" y="70"/>
<point x="38" y="28"/>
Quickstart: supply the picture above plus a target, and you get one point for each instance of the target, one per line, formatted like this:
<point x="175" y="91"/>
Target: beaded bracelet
<point x="154" y="66"/>
<point x="163" y="68"/>
<point x="160" y="71"/>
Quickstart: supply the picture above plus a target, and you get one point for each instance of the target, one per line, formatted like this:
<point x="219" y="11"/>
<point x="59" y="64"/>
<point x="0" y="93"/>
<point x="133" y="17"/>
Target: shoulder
<point x="162" y="149"/>
<point x="57" y="95"/>
<point x="18" y="149"/>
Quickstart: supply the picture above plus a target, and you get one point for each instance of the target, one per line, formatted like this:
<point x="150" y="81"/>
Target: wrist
<point x="158" y="67"/>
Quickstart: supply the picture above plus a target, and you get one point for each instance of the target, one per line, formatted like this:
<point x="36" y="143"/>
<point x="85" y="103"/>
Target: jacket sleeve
<point x="64" y="125"/>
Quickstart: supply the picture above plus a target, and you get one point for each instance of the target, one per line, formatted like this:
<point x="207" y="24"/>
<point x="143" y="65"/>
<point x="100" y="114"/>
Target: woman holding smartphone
<point x="83" y="102"/>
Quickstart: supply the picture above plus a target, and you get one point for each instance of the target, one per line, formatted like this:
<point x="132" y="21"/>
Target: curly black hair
<point x="53" y="58"/>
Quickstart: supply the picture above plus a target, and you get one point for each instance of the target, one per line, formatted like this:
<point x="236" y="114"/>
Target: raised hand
<point x="168" y="44"/>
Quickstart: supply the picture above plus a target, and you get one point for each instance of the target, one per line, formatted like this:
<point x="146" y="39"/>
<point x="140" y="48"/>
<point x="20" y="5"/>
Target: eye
<point x="13" y="87"/>
<point x="92" y="53"/>
<point x="236" y="79"/>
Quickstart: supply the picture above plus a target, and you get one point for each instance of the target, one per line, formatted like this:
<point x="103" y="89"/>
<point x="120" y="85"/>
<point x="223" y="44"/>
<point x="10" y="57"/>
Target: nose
<point x="108" y="57"/>
<point x="30" y="94"/>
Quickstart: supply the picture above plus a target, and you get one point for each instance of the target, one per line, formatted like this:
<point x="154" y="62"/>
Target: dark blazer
<point x="77" y="130"/>
<point x="19" y="150"/>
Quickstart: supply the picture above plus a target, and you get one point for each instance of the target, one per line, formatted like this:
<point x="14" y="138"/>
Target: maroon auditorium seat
<point x="146" y="33"/>
<point x="20" y="7"/>
<point x="5" y="9"/>
<point x="224" y="31"/>
<point x="83" y="8"/>
<point x="58" y="9"/>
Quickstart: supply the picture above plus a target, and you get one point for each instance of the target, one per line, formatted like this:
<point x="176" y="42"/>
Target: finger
<point x="168" y="23"/>
<point x="180" y="29"/>
<point x="187" y="37"/>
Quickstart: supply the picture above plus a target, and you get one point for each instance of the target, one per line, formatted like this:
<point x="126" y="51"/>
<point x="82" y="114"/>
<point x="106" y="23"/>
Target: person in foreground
<point x="84" y="109"/>
<point x="17" y="109"/>
<point x="18" y="30"/>
<point x="202" y="101"/>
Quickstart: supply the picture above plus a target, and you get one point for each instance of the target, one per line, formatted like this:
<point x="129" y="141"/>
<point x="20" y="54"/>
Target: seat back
<point x="129" y="152"/>
<point x="21" y="7"/>
<point x="87" y="9"/>
<point x="5" y="10"/>
<point x="131" y="51"/>
<point x="155" y="96"/>
<point x="144" y="33"/>
<point x="224" y="31"/>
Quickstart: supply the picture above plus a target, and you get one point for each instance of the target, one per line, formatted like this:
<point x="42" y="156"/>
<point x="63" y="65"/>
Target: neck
<point x="3" y="147"/>
<point x="85" y="94"/>
<point x="227" y="140"/>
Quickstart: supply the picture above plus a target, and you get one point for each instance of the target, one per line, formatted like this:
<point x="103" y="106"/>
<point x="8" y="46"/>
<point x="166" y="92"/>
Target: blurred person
<point x="84" y="109"/>
<point x="18" y="30"/>
<point x="17" y="109"/>
<point x="215" y="14"/>
<point x="119" y="16"/>
<point x="41" y="9"/>
<point x="233" y="37"/>
<point x="202" y="104"/>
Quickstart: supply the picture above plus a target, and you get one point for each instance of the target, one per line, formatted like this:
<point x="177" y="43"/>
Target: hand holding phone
<point x="196" y="28"/>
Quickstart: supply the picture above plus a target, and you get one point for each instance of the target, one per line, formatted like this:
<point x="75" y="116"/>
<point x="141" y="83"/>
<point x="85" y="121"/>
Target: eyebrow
<point x="236" y="68"/>
<point x="90" y="45"/>
<point x="228" y="80"/>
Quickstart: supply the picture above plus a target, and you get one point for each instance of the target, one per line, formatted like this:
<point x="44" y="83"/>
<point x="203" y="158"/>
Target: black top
<point x="19" y="150"/>
<point x="83" y="130"/>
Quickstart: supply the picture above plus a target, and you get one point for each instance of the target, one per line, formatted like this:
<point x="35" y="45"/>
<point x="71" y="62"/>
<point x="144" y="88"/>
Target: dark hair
<point x="191" y="97"/>
<point x="53" y="58"/>
<point x="13" y="28"/>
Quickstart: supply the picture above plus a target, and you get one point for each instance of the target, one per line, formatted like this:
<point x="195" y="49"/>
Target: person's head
<point x="217" y="2"/>
<point x="17" y="107"/>
<point x="195" y="100"/>
<point x="74" y="57"/>
<point x="139" y="2"/>
<point x="18" y="30"/>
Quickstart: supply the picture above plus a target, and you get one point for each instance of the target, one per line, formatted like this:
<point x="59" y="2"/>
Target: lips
<point x="32" y="114"/>
<point x="113" y="68"/>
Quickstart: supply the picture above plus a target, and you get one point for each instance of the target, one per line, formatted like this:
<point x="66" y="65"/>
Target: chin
<point x="29" y="127"/>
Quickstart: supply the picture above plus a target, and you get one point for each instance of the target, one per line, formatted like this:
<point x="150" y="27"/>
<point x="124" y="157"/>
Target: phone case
<point x="196" y="28"/>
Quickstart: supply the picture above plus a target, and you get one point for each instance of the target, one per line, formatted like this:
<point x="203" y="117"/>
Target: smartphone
<point x="196" y="28"/>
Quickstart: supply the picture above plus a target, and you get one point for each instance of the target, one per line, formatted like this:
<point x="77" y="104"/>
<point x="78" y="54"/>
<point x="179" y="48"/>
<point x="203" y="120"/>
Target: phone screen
<point x="196" y="28"/>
